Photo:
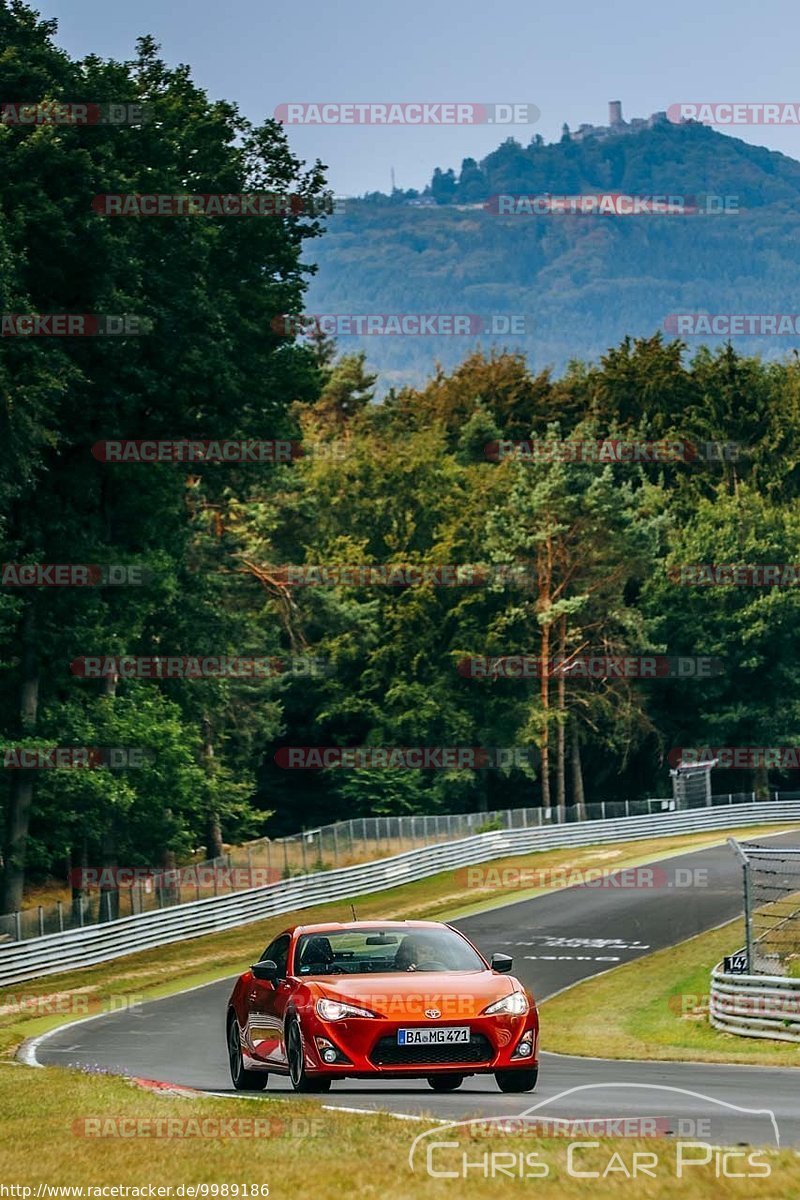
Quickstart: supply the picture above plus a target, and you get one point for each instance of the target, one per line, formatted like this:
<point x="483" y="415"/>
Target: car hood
<point x="414" y="994"/>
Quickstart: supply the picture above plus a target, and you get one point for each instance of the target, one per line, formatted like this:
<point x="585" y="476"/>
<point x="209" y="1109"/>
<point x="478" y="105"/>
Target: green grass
<point x="306" y="1150"/>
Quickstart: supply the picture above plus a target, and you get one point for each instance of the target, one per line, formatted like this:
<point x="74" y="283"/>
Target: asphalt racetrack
<point x="555" y="940"/>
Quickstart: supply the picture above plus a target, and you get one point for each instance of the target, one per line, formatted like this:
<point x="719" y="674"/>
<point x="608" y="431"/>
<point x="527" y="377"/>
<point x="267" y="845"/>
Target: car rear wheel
<point x="445" y="1083"/>
<point x="243" y="1080"/>
<point x="301" y="1080"/>
<point x="517" y="1081"/>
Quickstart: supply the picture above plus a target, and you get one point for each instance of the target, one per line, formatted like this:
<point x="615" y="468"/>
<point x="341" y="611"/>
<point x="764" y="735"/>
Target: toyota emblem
<point x="432" y="1013"/>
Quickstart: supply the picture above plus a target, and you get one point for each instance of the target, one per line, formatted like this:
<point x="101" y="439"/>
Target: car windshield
<point x="366" y="951"/>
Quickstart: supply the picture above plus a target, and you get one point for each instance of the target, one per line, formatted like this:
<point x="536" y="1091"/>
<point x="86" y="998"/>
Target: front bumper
<point x="369" y="1047"/>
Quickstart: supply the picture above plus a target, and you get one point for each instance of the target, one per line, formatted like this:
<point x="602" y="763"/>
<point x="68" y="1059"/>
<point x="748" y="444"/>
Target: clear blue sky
<point x="568" y="58"/>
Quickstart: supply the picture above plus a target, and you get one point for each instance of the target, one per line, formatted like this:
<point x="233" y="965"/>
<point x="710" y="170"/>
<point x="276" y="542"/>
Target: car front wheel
<point x="517" y="1081"/>
<point x="301" y="1080"/>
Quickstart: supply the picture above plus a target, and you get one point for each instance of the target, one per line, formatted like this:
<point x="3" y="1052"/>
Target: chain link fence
<point x="114" y="892"/>
<point x="772" y="908"/>
<point x="364" y="838"/>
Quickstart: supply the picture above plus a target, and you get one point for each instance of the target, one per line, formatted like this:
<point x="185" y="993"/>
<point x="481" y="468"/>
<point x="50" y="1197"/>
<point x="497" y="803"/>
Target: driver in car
<point x="415" y="954"/>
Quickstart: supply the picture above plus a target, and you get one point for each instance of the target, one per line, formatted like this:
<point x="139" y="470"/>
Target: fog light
<point x="328" y="1052"/>
<point x="525" y="1047"/>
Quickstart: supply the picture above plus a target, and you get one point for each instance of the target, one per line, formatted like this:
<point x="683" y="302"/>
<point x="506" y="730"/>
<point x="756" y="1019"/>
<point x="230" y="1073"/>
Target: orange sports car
<point x="384" y="999"/>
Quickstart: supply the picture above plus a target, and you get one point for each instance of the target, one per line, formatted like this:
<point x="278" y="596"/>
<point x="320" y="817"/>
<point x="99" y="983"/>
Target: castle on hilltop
<point x="616" y="126"/>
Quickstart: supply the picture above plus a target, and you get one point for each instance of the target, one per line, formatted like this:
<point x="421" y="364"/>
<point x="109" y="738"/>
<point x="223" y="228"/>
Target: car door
<point x="266" y="1004"/>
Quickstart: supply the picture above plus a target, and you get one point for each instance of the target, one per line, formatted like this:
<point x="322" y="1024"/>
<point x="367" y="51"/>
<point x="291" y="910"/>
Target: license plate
<point x="433" y="1037"/>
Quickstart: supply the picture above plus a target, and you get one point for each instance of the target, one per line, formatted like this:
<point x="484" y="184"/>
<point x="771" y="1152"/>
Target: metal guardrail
<point x="760" y="1006"/>
<point x="59" y="952"/>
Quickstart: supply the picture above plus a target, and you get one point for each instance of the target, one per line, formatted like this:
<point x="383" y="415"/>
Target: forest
<point x="180" y="557"/>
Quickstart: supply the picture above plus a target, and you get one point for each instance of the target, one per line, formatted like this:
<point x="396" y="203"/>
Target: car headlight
<point x="335" y="1010"/>
<point x="516" y="1003"/>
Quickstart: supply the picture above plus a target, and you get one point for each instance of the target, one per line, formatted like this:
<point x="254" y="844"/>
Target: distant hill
<point x="583" y="281"/>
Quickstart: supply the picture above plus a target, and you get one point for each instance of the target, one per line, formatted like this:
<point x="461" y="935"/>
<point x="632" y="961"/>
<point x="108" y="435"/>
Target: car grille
<point x="387" y="1053"/>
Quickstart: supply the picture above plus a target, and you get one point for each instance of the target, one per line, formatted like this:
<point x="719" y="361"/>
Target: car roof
<point x="334" y="926"/>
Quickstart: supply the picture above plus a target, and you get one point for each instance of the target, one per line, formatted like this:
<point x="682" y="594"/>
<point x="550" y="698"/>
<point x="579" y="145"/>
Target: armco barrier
<point x="760" y="1006"/>
<point x="100" y="943"/>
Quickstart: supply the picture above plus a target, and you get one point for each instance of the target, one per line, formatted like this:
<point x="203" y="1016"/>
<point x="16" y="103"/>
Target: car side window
<point x="278" y="951"/>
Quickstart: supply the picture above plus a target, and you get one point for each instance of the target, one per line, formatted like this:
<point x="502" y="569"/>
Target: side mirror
<point x="502" y="962"/>
<point x="267" y="971"/>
